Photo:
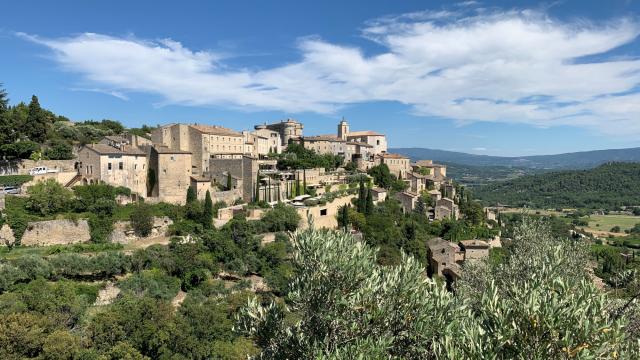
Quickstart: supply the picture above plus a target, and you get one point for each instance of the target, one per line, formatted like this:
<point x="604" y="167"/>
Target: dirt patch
<point x="178" y="299"/>
<point x="146" y="242"/>
<point x="107" y="295"/>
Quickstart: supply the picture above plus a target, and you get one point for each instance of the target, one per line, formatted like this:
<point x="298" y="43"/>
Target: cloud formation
<point x="508" y="67"/>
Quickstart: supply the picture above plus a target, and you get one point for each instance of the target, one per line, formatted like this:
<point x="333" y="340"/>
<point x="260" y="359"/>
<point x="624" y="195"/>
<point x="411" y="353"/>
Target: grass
<point x="606" y="222"/>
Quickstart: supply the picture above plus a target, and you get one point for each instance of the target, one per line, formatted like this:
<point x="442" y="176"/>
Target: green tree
<point x="281" y="218"/>
<point x="48" y="197"/>
<point x="229" y="181"/>
<point x="382" y="176"/>
<point x="59" y="150"/>
<point x="362" y="197"/>
<point x="208" y="212"/>
<point x="368" y="209"/>
<point x="142" y="219"/>
<point x="37" y="124"/>
<point x="191" y="195"/>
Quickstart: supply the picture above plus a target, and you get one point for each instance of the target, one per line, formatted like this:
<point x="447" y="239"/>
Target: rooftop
<point x="363" y="133"/>
<point x="216" y="130"/>
<point x="105" y="149"/>
<point x="475" y="243"/>
<point x="393" y="156"/>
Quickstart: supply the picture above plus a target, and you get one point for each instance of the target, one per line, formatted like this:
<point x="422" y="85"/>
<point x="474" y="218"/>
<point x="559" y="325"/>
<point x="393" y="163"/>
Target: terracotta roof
<point x="363" y="133"/>
<point x="167" y="150"/>
<point x="474" y="243"/>
<point x="216" y="130"/>
<point x="105" y="149"/>
<point x="393" y="156"/>
<point x="321" y="138"/>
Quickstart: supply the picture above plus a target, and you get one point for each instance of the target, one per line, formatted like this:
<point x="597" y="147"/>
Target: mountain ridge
<point x="572" y="160"/>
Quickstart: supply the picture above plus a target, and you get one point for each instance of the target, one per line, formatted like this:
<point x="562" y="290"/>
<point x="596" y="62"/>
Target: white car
<point x="10" y="190"/>
<point x="41" y="170"/>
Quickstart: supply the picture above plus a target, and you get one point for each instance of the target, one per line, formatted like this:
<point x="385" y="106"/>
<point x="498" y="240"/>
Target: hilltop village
<point x="248" y="172"/>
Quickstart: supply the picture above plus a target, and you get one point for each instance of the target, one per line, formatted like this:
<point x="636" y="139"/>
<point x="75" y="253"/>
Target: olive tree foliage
<point x="348" y="304"/>
<point x="537" y="305"/>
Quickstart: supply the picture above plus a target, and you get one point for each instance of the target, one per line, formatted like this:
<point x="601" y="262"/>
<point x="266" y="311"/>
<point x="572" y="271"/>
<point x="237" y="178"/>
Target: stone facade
<point x="172" y="169"/>
<point x="408" y="200"/>
<point x="446" y="208"/>
<point x="245" y="168"/>
<point x="56" y="232"/>
<point x="124" y="166"/>
<point x="445" y="258"/>
<point x="123" y="233"/>
<point x="474" y="249"/>
<point x="324" y="216"/>
<point x="399" y="165"/>
<point x="22" y="167"/>
<point x="289" y="130"/>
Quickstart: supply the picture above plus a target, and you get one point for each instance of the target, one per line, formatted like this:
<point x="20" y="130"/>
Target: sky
<point x="495" y="77"/>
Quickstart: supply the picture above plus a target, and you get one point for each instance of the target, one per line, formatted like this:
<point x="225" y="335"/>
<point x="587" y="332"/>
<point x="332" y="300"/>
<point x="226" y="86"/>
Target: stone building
<point x="408" y="200"/>
<point x="376" y="140"/>
<point x="399" y="165"/>
<point x="172" y="173"/>
<point x="289" y="130"/>
<point x="474" y="249"/>
<point x="446" y="208"/>
<point x="244" y="170"/>
<point x="265" y="141"/>
<point x="445" y="258"/>
<point x="436" y="171"/>
<point x="202" y="141"/>
<point x="114" y="163"/>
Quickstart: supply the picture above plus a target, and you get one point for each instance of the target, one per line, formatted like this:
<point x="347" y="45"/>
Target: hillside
<point x="575" y="160"/>
<point x="607" y="186"/>
<point x="470" y="175"/>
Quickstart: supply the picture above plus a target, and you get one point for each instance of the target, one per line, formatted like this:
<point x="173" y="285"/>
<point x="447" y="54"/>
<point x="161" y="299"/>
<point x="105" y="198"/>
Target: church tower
<point x="343" y="129"/>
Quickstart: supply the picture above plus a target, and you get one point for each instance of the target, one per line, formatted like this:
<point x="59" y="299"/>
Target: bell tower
<point x="343" y="129"/>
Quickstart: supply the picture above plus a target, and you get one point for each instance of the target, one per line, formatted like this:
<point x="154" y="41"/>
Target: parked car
<point x="10" y="190"/>
<point x="41" y="170"/>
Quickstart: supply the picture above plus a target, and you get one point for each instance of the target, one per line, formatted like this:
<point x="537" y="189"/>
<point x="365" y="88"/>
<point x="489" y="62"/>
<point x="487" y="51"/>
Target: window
<point x="135" y="166"/>
<point x="121" y="165"/>
<point x="377" y="142"/>
<point x="109" y="166"/>
<point x="173" y="158"/>
<point x="323" y="212"/>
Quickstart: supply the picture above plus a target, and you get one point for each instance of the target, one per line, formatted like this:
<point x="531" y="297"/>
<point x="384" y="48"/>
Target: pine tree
<point x="229" y="183"/>
<point x="191" y="195"/>
<point x="369" y="203"/>
<point x="4" y="101"/>
<point x="207" y="214"/>
<point x="36" y="125"/>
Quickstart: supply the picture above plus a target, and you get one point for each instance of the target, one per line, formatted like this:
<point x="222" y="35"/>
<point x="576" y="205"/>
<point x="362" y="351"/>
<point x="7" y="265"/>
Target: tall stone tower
<point x="343" y="129"/>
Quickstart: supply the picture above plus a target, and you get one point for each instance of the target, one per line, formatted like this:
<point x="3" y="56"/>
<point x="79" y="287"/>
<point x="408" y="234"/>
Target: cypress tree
<point x="268" y="189"/>
<point x="257" y="197"/>
<point x="304" y="179"/>
<point x="362" y="201"/>
<point x="191" y="195"/>
<point x="369" y="203"/>
<point x="229" y="183"/>
<point x="207" y="214"/>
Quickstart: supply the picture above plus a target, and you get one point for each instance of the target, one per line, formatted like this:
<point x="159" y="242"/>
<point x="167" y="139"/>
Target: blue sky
<point x="487" y="77"/>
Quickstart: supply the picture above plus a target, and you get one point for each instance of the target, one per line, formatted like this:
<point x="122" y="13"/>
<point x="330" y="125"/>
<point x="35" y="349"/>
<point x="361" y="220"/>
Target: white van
<point x="41" y="170"/>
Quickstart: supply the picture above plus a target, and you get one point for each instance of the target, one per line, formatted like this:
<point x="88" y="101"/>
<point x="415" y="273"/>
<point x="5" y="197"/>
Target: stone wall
<point x="324" y="216"/>
<point x="124" y="234"/>
<point x="229" y="197"/>
<point x="22" y="167"/>
<point x="6" y="236"/>
<point x="56" y="232"/>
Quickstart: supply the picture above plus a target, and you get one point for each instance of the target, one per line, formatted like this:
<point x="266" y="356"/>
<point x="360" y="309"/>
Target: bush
<point x="100" y="227"/>
<point x="59" y="150"/>
<point x="152" y="283"/>
<point x="14" y="180"/>
<point x="142" y="220"/>
<point x="48" y="197"/>
<point x="281" y="218"/>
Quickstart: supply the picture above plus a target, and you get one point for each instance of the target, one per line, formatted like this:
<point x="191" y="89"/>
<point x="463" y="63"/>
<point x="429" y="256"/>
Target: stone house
<point x="408" y="200"/>
<point x="445" y="258"/>
<point x="399" y="165"/>
<point x="244" y="170"/>
<point x="202" y="141"/>
<point x="474" y="249"/>
<point x="379" y="194"/>
<point x="376" y="140"/>
<point x="172" y="172"/>
<point x="446" y="208"/>
<point x="117" y="165"/>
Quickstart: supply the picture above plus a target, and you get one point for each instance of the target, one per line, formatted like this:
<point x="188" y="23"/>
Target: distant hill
<point x="576" y="160"/>
<point x="470" y="175"/>
<point x="607" y="186"/>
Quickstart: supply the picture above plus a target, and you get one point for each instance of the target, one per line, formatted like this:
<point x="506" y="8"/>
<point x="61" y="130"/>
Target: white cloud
<point x="509" y="67"/>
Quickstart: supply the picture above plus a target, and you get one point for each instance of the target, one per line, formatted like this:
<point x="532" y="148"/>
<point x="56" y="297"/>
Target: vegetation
<point x="298" y="157"/>
<point x="14" y="180"/>
<point x="595" y="189"/>
<point x="536" y="304"/>
<point x="142" y="219"/>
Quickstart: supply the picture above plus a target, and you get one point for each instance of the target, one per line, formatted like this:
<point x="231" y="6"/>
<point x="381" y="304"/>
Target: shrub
<point x="281" y="218"/>
<point x="14" y="180"/>
<point x="100" y="227"/>
<point x="152" y="283"/>
<point x="48" y="197"/>
<point x="142" y="220"/>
